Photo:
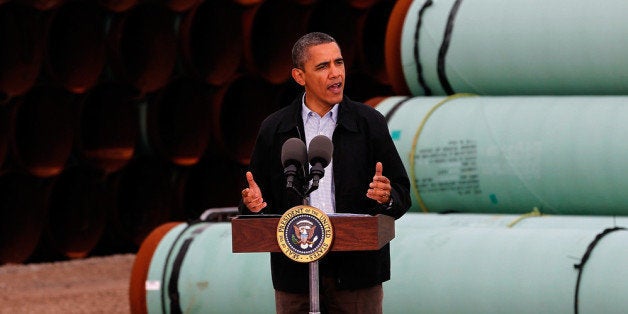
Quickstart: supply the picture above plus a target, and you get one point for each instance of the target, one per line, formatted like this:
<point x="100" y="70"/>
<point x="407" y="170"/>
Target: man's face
<point x="323" y="76"/>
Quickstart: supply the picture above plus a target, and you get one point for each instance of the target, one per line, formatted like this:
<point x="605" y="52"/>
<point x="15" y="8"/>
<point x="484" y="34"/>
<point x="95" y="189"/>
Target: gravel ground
<point x="90" y="285"/>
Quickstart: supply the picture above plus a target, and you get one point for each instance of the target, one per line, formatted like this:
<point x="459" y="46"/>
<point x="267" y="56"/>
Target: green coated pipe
<point x="531" y="220"/>
<point x="516" y="47"/>
<point x="563" y="155"/>
<point x="505" y="270"/>
<point x="211" y="278"/>
<point x="440" y="264"/>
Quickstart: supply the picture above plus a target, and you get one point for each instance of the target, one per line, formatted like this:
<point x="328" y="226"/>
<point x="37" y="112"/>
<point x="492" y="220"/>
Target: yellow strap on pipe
<point x="415" y="141"/>
<point x="534" y="213"/>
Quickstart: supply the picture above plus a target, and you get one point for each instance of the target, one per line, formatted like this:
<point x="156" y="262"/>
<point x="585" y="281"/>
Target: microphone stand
<point x="314" y="281"/>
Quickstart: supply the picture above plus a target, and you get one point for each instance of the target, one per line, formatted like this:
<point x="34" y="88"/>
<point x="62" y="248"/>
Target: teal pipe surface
<point x="454" y="263"/>
<point x="525" y="221"/>
<point x="563" y="155"/>
<point x="211" y="279"/>
<point x="462" y="269"/>
<point x="516" y="47"/>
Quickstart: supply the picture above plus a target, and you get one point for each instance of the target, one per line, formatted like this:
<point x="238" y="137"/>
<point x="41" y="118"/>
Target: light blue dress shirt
<point x="323" y="198"/>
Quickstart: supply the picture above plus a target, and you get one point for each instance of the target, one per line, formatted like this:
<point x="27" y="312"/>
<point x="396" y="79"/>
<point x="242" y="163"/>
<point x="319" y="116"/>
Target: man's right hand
<point x="252" y="196"/>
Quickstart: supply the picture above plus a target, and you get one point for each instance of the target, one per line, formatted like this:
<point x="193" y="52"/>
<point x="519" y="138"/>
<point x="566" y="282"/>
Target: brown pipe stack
<point x="119" y="115"/>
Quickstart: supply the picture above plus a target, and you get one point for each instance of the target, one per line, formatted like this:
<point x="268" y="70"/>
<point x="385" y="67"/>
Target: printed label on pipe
<point x="453" y="168"/>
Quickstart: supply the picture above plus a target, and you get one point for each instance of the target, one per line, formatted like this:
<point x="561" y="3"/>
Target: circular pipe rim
<point x="139" y="271"/>
<point x="392" y="47"/>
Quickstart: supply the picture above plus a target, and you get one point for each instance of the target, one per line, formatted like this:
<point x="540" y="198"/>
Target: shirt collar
<point x="306" y="112"/>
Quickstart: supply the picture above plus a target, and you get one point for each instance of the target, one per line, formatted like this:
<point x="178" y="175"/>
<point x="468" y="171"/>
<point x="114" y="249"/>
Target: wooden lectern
<point x="352" y="232"/>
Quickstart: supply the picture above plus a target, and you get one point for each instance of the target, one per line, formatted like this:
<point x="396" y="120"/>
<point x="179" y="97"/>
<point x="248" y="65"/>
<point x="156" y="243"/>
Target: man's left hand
<point x="379" y="188"/>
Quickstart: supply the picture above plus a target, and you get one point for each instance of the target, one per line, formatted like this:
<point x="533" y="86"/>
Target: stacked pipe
<point x="114" y="120"/>
<point x="509" y="48"/>
<point x="513" y="108"/>
<point x="536" y="98"/>
<point x="465" y="263"/>
<point x="118" y="116"/>
<point x="504" y="115"/>
<point x="509" y="154"/>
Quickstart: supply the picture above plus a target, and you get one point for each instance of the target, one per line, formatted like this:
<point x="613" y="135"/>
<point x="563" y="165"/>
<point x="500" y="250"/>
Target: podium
<point x="351" y="232"/>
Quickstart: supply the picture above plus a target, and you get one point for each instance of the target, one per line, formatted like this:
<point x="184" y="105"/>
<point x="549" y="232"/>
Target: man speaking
<point x="364" y="175"/>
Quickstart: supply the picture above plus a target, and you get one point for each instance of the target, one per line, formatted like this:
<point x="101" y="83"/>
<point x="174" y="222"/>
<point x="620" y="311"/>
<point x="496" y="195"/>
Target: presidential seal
<point x="304" y="233"/>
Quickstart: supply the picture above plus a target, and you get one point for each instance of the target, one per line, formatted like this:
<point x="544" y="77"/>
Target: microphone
<point x="293" y="157"/>
<point x="320" y="152"/>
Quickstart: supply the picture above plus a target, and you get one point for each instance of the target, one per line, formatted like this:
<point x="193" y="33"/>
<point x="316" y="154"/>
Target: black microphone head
<point x="321" y="150"/>
<point x="293" y="150"/>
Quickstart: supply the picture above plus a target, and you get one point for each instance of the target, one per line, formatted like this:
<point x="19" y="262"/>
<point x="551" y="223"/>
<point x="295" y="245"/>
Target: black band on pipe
<point x="394" y="109"/>
<point x="417" y="59"/>
<point x="165" y="270"/>
<point x="173" y="284"/>
<point x="442" y="52"/>
<point x="176" y="266"/>
<point x="585" y="258"/>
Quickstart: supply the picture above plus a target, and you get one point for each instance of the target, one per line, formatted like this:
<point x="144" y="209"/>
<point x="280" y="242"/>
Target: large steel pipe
<point x="5" y="126"/>
<point x="245" y="100"/>
<point x="532" y="220"/>
<point x="79" y="202"/>
<point x="137" y="295"/>
<point x="176" y="121"/>
<point x="23" y="209"/>
<point x="563" y="155"/>
<point x="508" y="47"/>
<point x="146" y="194"/>
<point x="202" y="190"/>
<point x="248" y="2"/>
<point x="42" y="137"/>
<point x="75" y="50"/>
<point x="208" y="51"/>
<point x="142" y="46"/>
<point x="490" y="268"/>
<point x="108" y="126"/>
<point x="22" y="49"/>
<point x="364" y="4"/>
<point x="340" y="20"/>
<point x="42" y="5"/>
<point x="515" y="270"/>
<point x="267" y="44"/>
<point x="228" y="283"/>
<point x="179" y="6"/>
<point x="372" y="41"/>
<point x="118" y="6"/>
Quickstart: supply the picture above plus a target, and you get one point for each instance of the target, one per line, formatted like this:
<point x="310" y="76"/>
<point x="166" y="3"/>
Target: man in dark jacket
<point x="365" y="176"/>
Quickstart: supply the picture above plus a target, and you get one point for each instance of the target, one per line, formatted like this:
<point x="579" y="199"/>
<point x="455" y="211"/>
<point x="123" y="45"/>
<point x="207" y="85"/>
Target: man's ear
<point x="297" y="75"/>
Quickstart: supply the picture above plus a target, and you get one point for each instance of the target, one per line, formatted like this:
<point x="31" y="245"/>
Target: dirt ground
<point x="90" y="285"/>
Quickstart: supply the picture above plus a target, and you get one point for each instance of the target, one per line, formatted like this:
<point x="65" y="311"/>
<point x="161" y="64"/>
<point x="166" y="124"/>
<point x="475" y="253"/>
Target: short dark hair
<point x="299" y="50"/>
